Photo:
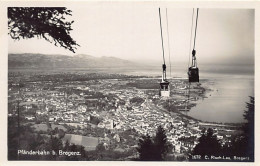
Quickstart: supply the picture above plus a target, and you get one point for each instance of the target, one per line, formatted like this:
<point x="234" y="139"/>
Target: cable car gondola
<point x="164" y="84"/>
<point x="193" y="71"/>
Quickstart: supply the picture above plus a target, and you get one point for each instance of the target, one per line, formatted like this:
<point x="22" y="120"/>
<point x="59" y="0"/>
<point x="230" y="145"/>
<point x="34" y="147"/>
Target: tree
<point x="100" y="147"/>
<point x="146" y="148"/>
<point x="13" y="142"/>
<point x="208" y="145"/>
<point x="25" y="139"/>
<point x="154" y="149"/>
<point x="73" y="148"/>
<point x="249" y="128"/>
<point x="46" y="22"/>
<point x="170" y="106"/>
<point x="243" y="145"/>
<point x="66" y="146"/>
<point x="61" y="133"/>
<point x="136" y="100"/>
<point x="249" y="115"/>
<point x="160" y="144"/>
<point x="94" y="120"/>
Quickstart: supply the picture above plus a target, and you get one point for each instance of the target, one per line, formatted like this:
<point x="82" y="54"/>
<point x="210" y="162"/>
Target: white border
<point x="178" y="4"/>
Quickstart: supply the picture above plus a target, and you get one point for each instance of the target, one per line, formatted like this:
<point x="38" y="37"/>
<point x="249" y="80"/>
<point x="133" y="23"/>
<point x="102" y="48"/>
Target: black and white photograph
<point x="135" y="81"/>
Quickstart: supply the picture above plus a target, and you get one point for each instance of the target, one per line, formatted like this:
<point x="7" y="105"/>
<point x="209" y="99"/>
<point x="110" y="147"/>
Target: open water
<point x="231" y="87"/>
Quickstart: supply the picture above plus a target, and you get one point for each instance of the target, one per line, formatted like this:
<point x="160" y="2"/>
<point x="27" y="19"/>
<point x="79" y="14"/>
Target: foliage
<point x="241" y="145"/>
<point x="100" y="147"/>
<point x="170" y="106"/>
<point x="249" y="115"/>
<point x="61" y="133"/>
<point x="137" y="100"/>
<point x="94" y="120"/>
<point x="160" y="143"/>
<point x="46" y="22"/>
<point x="56" y="144"/>
<point x="12" y="139"/>
<point x="208" y="145"/>
<point x="154" y="149"/>
<point x="146" y="149"/>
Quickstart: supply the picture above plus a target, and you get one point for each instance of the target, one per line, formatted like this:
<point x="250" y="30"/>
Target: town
<point x="111" y="110"/>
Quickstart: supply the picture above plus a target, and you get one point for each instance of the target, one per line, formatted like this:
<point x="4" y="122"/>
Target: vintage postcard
<point x="132" y="82"/>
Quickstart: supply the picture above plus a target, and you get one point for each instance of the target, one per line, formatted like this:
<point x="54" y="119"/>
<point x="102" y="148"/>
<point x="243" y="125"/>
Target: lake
<point x="227" y="101"/>
<point x="231" y="85"/>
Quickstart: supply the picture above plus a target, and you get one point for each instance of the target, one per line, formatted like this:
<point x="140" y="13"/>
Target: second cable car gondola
<point x="193" y="71"/>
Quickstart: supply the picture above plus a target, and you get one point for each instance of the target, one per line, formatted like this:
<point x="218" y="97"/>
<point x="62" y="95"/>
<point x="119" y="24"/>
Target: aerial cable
<point x="196" y="29"/>
<point x="194" y="63"/>
<point x="168" y="43"/>
<point x="164" y="84"/>
<point x="161" y="35"/>
<point x="188" y="89"/>
<point x="193" y="71"/>
<point x="191" y="35"/>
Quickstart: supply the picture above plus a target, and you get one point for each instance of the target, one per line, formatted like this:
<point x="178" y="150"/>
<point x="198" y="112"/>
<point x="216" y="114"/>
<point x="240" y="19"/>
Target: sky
<point x="224" y="36"/>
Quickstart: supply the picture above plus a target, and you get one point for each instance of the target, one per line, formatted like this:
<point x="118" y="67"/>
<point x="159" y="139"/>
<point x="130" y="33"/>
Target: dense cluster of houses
<point x="78" y="108"/>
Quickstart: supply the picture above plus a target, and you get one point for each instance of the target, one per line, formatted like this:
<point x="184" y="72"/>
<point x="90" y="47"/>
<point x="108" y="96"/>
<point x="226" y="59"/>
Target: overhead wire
<point x="168" y="43"/>
<point x="161" y="35"/>
<point x="188" y="90"/>
<point x="196" y="29"/>
<point x="191" y="36"/>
